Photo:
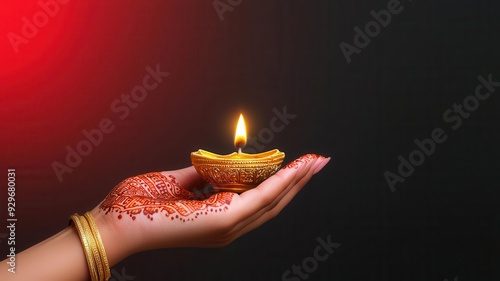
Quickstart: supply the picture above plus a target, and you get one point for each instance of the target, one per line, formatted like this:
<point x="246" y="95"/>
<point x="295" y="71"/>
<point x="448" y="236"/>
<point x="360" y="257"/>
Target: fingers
<point x="268" y="213"/>
<point x="268" y="193"/>
<point x="187" y="178"/>
<point x="321" y="165"/>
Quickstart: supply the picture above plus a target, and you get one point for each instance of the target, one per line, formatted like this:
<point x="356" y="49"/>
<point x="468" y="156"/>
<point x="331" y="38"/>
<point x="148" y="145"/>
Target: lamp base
<point x="237" y="188"/>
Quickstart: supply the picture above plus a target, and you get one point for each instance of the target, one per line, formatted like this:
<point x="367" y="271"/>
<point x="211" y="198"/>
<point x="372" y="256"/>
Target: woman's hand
<point x="160" y="209"/>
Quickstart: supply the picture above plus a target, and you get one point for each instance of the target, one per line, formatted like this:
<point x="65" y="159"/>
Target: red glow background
<point x="66" y="77"/>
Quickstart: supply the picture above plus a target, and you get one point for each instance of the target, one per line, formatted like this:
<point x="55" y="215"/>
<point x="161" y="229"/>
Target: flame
<point x="240" y="137"/>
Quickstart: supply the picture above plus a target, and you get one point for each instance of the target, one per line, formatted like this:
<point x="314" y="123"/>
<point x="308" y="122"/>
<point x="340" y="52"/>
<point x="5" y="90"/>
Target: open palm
<point x="160" y="209"/>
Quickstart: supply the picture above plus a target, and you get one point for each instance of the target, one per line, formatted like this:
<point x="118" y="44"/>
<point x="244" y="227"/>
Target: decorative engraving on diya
<point x="236" y="172"/>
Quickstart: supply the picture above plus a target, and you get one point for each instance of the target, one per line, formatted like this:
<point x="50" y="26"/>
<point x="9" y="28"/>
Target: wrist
<point x="114" y="241"/>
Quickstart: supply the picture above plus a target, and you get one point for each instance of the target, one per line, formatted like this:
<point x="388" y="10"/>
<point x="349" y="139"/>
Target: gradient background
<point x="442" y="222"/>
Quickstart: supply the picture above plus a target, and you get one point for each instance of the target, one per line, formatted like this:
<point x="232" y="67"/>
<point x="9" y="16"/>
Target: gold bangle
<point x="93" y="247"/>
<point x="100" y="245"/>
<point x="86" y="247"/>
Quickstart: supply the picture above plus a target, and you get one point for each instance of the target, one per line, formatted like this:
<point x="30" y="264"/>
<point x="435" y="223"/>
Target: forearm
<point x="61" y="257"/>
<point x="58" y="258"/>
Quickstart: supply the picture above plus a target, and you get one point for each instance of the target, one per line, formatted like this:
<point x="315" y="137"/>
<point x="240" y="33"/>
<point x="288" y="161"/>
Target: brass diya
<point x="238" y="171"/>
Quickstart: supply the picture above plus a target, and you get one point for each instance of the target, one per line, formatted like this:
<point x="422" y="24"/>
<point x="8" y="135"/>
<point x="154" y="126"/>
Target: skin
<point x="156" y="194"/>
<point x="161" y="211"/>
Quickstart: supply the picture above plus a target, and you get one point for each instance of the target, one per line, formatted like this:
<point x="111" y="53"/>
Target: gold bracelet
<point x="100" y="245"/>
<point x="93" y="247"/>
<point x="86" y="247"/>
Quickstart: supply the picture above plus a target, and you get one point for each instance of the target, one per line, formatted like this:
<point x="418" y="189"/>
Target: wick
<point x="239" y="150"/>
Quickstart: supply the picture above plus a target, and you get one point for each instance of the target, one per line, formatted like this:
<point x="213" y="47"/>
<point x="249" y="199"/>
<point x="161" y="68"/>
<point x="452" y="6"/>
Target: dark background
<point x="441" y="223"/>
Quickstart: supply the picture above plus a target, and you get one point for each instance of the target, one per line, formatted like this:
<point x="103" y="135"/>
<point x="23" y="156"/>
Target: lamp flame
<point x="240" y="137"/>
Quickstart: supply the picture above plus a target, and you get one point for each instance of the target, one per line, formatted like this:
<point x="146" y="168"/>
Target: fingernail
<point x="323" y="163"/>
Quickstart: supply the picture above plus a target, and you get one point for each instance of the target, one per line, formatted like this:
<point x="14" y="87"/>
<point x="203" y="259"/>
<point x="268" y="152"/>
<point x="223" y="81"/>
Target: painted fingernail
<point x="323" y="163"/>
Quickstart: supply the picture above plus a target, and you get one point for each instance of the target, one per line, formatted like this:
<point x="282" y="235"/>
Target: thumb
<point x="187" y="178"/>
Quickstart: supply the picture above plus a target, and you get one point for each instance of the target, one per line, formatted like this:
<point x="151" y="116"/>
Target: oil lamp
<point x="238" y="171"/>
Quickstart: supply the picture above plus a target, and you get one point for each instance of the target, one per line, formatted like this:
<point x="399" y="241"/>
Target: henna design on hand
<point x="156" y="193"/>
<point x="304" y="159"/>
